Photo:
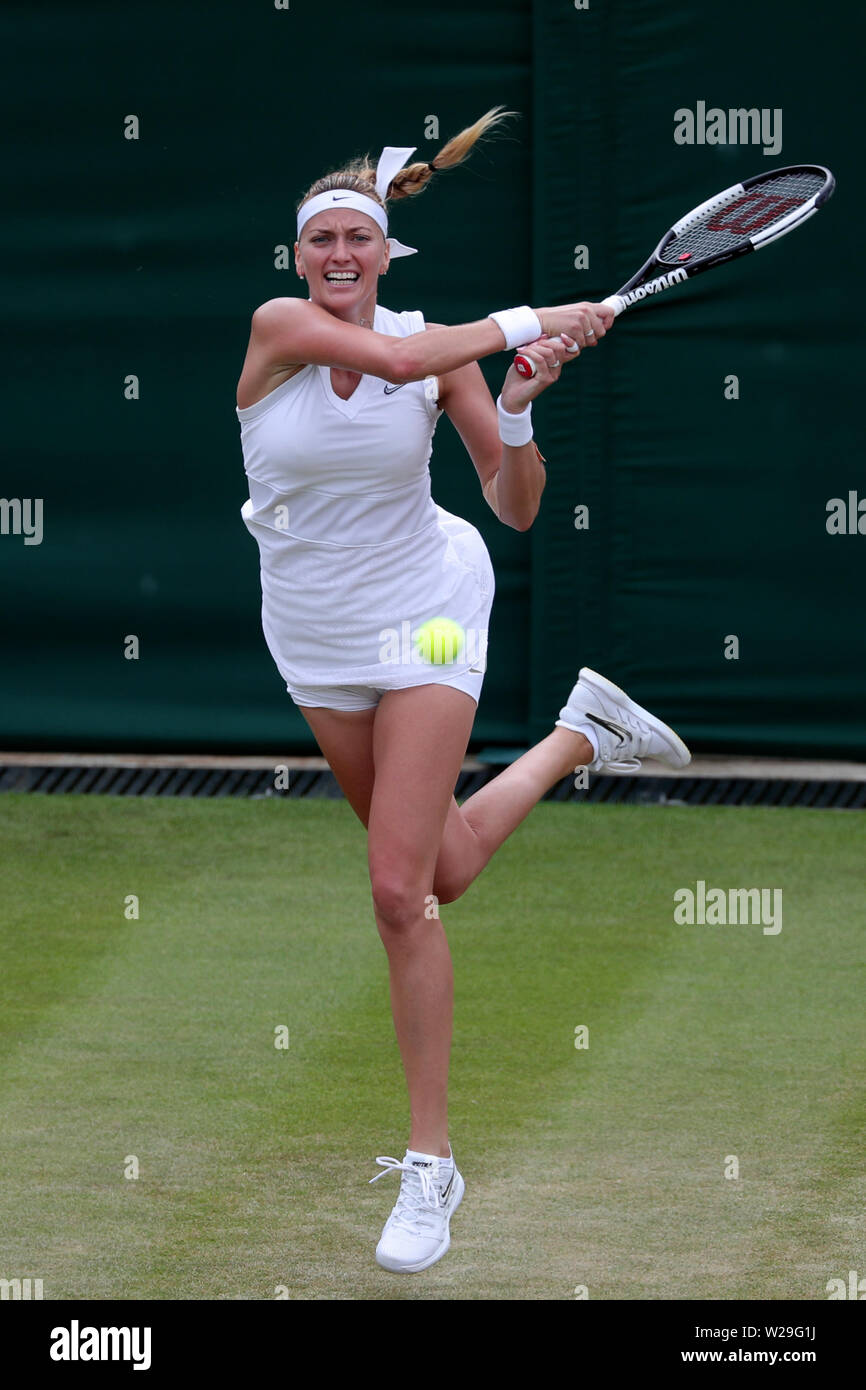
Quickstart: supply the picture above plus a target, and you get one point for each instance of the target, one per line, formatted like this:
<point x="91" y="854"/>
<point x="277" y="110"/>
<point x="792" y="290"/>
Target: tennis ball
<point x="439" y="641"/>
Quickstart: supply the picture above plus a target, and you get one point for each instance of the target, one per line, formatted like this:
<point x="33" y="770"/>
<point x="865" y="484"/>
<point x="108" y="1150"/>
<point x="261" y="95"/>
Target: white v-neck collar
<point x="349" y="407"/>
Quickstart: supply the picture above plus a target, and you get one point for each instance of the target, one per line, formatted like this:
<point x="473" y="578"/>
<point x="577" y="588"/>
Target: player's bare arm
<point x="289" y="333"/>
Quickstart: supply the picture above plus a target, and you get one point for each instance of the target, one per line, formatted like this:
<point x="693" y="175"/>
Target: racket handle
<point x="526" y="366"/>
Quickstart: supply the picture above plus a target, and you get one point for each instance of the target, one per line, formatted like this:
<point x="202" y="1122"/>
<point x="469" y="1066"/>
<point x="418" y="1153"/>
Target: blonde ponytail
<point x="415" y="177"/>
<point x="360" y="174"/>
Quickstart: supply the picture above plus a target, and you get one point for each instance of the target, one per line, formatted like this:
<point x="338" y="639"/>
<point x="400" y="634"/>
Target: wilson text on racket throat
<point x="661" y="282"/>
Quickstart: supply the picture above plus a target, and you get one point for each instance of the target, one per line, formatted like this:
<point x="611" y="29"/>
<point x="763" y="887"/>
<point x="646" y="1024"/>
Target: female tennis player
<point x="338" y="401"/>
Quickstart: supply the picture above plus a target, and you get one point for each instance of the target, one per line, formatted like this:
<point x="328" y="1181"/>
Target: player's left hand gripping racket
<point x="745" y="217"/>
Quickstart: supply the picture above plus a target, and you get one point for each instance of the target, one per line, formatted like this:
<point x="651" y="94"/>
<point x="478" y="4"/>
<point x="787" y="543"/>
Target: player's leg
<point x="401" y="789"/>
<point x="419" y="741"/>
<point x="600" y="727"/>
<point x="474" y="831"/>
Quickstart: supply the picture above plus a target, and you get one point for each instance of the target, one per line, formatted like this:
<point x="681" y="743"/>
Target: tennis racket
<point x="745" y="217"/>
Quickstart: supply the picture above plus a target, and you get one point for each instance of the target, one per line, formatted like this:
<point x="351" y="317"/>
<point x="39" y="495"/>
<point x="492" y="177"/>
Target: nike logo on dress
<point x="389" y="389"/>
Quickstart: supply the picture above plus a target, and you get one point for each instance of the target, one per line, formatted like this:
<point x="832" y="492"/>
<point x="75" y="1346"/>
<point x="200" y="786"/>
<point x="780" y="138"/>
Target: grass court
<point x="151" y="1041"/>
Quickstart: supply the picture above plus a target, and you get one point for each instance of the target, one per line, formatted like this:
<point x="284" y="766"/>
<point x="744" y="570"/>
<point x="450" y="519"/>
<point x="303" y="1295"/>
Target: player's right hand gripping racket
<point x="745" y="217"/>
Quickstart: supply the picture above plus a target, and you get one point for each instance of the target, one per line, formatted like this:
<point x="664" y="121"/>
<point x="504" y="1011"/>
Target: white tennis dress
<point x="355" y="554"/>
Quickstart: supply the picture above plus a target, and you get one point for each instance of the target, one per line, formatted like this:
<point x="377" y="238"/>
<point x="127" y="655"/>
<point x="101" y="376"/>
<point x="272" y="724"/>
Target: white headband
<point x="391" y="161"/>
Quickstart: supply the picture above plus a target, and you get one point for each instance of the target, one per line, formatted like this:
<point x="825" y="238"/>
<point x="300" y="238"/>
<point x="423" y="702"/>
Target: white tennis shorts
<point x="356" y="697"/>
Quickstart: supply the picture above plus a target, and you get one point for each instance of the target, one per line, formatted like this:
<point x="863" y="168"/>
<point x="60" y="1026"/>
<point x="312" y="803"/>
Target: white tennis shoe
<point x="625" y="731"/>
<point x="417" y="1233"/>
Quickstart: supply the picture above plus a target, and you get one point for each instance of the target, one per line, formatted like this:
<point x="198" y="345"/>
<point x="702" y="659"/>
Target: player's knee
<point x="399" y="900"/>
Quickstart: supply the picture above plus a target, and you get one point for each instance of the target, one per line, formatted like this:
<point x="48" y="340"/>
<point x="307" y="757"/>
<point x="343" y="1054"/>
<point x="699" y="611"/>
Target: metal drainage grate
<point x="163" y="781"/>
<point x="716" y="791"/>
<point x="49" y="779"/>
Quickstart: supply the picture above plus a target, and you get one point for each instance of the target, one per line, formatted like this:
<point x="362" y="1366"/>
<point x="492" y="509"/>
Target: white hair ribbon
<point x="391" y="161"/>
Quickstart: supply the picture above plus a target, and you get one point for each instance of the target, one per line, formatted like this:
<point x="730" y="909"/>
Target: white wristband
<point x="520" y="326"/>
<point x="514" y="429"/>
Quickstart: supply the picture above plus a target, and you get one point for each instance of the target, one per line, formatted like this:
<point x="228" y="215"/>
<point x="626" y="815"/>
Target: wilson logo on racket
<point x="663" y="282"/>
<point x="751" y="213"/>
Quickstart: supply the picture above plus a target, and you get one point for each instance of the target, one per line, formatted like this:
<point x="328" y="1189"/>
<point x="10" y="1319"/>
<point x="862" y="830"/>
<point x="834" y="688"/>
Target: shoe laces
<point x="420" y="1195"/>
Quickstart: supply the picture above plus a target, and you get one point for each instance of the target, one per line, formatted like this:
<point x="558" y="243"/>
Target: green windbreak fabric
<point x="145" y="258"/>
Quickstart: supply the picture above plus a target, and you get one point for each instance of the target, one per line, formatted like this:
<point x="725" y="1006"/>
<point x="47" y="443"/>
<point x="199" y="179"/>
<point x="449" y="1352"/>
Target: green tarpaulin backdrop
<point x="706" y="515"/>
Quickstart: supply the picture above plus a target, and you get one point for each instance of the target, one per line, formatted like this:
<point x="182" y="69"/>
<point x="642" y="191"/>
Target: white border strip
<point x="787" y="224"/>
<point x="721" y="200"/>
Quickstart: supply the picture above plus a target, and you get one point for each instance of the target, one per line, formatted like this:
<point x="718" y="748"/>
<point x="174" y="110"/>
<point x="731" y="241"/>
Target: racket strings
<point x="722" y="229"/>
